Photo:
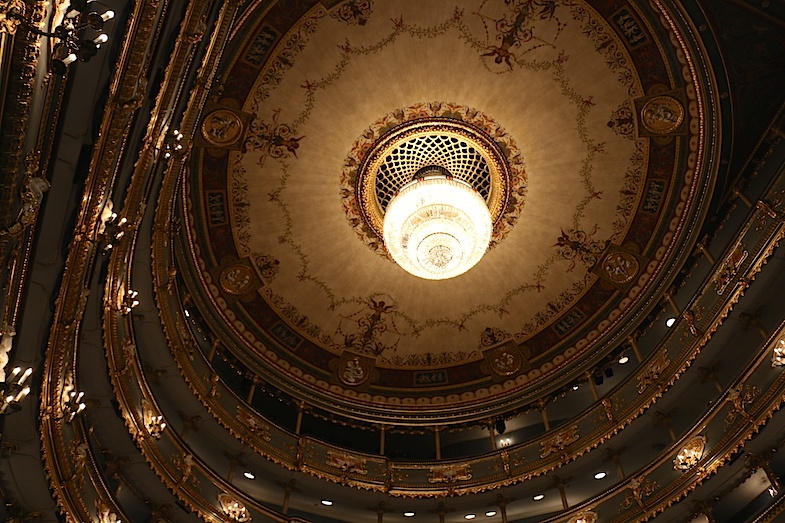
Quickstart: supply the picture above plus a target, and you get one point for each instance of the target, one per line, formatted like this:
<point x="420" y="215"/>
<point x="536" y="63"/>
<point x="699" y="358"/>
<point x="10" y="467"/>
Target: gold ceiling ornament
<point x="437" y="227"/>
<point x="105" y="513"/>
<point x="459" y="141"/>
<point x="12" y="13"/>
<point x="222" y="128"/>
<point x="662" y="114"/>
<point x="233" y="508"/>
<point x="588" y="516"/>
<point x="620" y="267"/>
<point x="690" y="454"/>
<point x="464" y="151"/>
<point x="778" y="354"/>
<point x="346" y="462"/>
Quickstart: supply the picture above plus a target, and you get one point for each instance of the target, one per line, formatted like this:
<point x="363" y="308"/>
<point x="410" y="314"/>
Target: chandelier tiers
<point x="437" y="227"/>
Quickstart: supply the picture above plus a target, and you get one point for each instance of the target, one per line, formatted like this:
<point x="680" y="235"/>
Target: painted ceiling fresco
<point x="599" y="115"/>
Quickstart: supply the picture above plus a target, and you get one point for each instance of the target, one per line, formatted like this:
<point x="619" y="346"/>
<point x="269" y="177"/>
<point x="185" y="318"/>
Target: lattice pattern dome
<point x="455" y="155"/>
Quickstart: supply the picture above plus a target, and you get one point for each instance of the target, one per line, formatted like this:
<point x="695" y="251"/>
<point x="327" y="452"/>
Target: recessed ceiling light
<point x="601" y="474"/>
<point x="409" y="514"/>
<point x="490" y="513"/>
<point x="470" y="516"/>
<point x="327" y="502"/>
<point x="574" y="387"/>
<point x="248" y="474"/>
<point x="538" y="497"/>
<point x="623" y="360"/>
<point x="669" y="322"/>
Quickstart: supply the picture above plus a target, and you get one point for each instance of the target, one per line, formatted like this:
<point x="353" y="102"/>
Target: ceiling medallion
<point x="452" y="146"/>
<point x="662" y="114"/>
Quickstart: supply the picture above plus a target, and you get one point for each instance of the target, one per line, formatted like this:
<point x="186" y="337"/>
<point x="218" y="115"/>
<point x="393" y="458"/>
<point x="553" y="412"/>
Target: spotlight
<point x="501" y="426"/>
<point x="490" y="513"/>
<point x="327" y="503"/>
<point x="624" y="359"/>
<point x="409" y="514"/>
<point x="608" y="372"/>
<point x="601" y="474"/>
<point x="538" y="497"/>
<point x="248" y="474"/>
<point x="597" y="377"/>
<point x="669" y="322"/>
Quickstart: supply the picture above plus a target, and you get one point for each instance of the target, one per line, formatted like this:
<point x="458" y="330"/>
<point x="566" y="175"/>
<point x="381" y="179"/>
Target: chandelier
<point x="433" y="194"/>
<point x="437" y="227"/>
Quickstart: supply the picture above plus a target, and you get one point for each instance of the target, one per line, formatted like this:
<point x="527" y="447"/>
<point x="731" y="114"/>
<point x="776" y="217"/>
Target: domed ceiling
<point x="247" y="349"/>
<point x="595" y="117"/>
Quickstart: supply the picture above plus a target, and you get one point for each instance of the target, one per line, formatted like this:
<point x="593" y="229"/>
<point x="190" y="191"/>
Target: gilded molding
<point x="624" y="412"/>
<point x="185" y="475"/>
<point x="71" y="299"/>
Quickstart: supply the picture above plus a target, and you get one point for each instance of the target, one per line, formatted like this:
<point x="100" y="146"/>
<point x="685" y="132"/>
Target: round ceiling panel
<point x="581" y="124"/>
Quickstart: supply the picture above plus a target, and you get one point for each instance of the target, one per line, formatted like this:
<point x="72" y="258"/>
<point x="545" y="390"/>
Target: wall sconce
<point x="72" y="44"/>
<point x="690" y="454"/>
<point x="172" y="144"/>
<point x="129" y="301"/>
<point x="505" y="442"/>
<point x="153" y="422"/>
<point x="110" y="229"/>
<point x="235" y="510"/>
<point x="778" y="354"/>
<point x="13" y="390"/>
<point x="72" y="404"/>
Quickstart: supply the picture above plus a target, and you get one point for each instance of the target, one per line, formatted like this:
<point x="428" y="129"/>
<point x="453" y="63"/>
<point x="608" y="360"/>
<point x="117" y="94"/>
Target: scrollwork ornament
<point x="640" y="488"/>
<point x="12" y="12"/>
<point x="739" y="398"/>
<point x="559" y="442"/>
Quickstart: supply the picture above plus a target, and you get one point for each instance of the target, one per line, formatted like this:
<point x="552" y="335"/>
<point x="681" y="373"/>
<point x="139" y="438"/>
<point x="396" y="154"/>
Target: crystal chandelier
<point x="437" y="227"/>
